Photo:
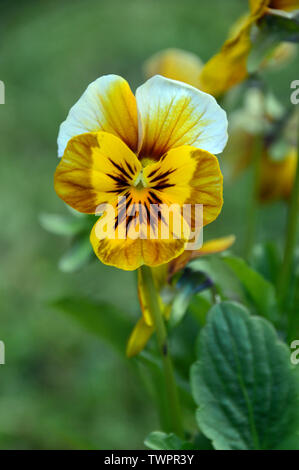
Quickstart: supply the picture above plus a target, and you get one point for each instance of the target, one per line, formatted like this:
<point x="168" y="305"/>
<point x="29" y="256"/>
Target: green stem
<point x="254" y="196"/>
<point x="171" y="388"/>
<point x="291" y="236"/>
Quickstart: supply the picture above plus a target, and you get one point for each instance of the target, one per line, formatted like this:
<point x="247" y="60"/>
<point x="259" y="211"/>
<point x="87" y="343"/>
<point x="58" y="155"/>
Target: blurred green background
<point x="61" y="387"/>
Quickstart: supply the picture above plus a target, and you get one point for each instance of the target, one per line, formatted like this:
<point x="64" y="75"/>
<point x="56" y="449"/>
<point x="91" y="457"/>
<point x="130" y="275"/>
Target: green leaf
<point x="99" y="318"/>
<point x="190" y="283"/>
<point x="267" y="261"/>
<point x="260" y="291"/>
<point x="199" y="308"/>
<point x="77" y="256"/>
<point x="63" y="224"/>
<point x="158" y="440"/>
<point x="244" y="384"/>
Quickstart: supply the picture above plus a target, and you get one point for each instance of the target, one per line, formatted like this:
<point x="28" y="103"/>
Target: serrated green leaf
<point x="77" y="255"/>
<point x="99" y="318"/>
<point x="260" y="291"/>
<point x="244" y="384"/>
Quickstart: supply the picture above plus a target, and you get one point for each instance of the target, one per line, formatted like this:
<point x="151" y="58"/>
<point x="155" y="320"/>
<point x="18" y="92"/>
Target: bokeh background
<point x="61" y="387"/>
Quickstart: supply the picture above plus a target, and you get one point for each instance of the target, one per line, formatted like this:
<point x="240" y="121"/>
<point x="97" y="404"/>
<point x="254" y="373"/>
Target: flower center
<point x="140" y="182"/>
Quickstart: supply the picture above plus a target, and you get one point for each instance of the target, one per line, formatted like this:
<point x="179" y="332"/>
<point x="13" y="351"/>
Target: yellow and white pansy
<point x="152" y="149"/>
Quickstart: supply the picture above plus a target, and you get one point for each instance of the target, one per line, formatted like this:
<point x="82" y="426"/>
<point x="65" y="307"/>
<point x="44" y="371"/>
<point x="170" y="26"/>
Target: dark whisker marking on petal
<point x="122" y="207"/>
<point x="116" y="222"/>
<point x="163" y="175"/>
<point x="163" y="186"/>
<point x="150" y="218"/>
<point x="147" y="212"/>
<point x="157" y="209"/>
<point x="152" y="202"/>
<point x="156" y="198"/>
<point x="118" y="179"/>
<point x="120" y="168"/>
<point x="140" y="212"/>
<point x="129" y="220"/>
<point x="129" y="168"/>
<point x="153" y="172"/>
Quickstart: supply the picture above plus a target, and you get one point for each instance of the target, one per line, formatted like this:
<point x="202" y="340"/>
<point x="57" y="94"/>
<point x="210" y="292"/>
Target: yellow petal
<point x="159" y="229"/>
<point x="277" y="178"/>
<point x="176" y="64"/>
<point x="207" y="186"/>
<point x="286" y="5"/>
<point x="172" y="114"/>
<point x="129" y="254"/>
<point x="187" y="175"/>
<point x="108" y="105"/>
<point x="215" y="246"/>
<point x="188" y="179"/>
<point x="95" y="168"/>
<point x="261" y="5"/>
<point x="211" y="247"/>
<point x="139" y="338"/>
<point x="229" y="66"/>
<point x="257" y="5"/>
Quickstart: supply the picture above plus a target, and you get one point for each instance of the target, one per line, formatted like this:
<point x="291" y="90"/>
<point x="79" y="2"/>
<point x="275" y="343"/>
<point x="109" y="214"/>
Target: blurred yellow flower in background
<point x="176" y="64"/>
<point x="277" y="177"/>
<point x="258" y="118"/>
<point x="144" y="328"/>
<point x="228" y="67"/>
<point x="153" y="149"/>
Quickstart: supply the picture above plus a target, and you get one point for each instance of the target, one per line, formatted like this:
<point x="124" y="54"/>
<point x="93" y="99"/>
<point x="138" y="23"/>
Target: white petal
<point x="172" y="113"/>
<point x="108" y="105"/>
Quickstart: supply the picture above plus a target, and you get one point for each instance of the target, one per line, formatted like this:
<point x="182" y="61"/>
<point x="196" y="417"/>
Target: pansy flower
<point x="152" y="149"/>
